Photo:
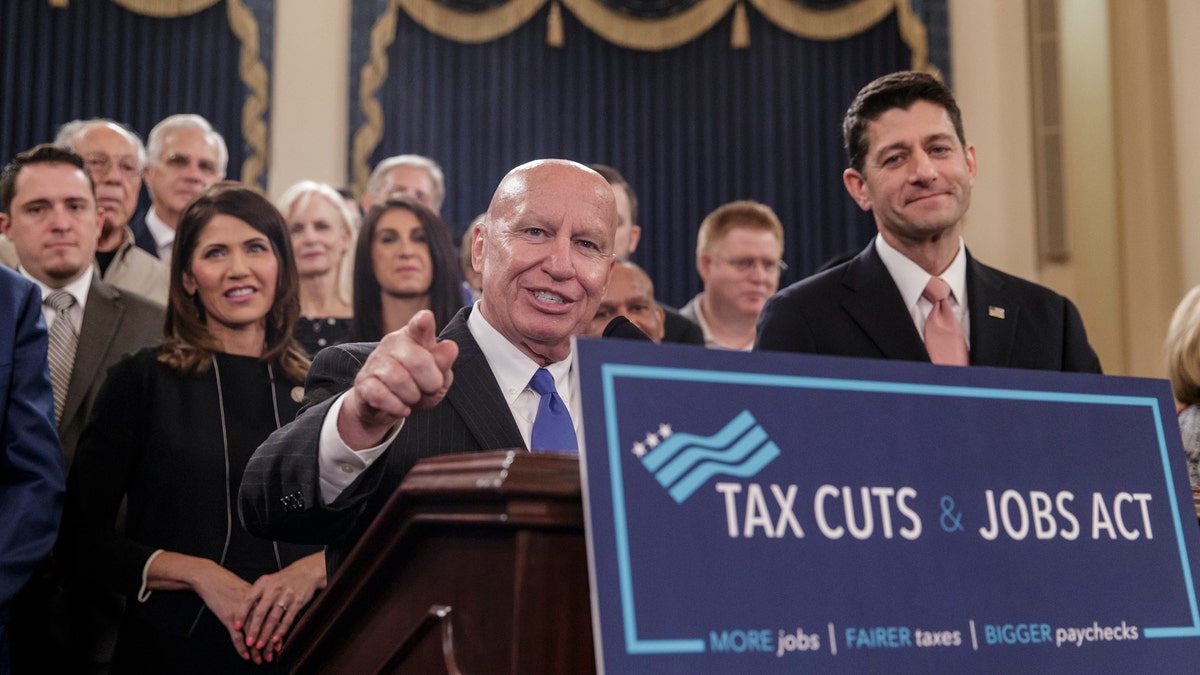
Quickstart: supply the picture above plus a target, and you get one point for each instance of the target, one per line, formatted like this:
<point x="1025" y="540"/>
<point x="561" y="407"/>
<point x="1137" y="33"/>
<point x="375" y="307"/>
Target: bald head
<point x="630" y="294"/>
<point x="114" y="157"/>
<point x="545" y="252"/>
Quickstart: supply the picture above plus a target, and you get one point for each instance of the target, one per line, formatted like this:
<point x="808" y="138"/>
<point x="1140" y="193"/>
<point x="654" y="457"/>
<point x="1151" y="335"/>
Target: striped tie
<point x="62" y="347"/>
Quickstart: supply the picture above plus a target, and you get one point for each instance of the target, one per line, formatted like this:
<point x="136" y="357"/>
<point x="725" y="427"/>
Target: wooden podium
<point x="476" y="565"/>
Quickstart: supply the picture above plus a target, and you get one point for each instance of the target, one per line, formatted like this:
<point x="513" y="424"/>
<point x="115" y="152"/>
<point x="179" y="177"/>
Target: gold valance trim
<point x="254" y="75"/>
<point x="370" y="79"/>
<point x="649" y="35"/>
<point x="471" y="27"/>
<point x="166" y="9"/>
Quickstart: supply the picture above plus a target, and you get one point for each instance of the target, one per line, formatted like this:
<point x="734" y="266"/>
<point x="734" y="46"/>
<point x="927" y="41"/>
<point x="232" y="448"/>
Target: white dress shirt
<point x="77" y="288"/>
<point x="911" y="279"/>
<point x="164" y="235"/>
<point x="339" y="466"/>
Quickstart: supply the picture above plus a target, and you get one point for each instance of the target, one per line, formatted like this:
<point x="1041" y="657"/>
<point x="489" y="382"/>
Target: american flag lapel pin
<point x="995" y="312"/>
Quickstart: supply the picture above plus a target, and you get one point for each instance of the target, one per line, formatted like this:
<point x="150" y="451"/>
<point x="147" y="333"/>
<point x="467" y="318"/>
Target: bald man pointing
<point x="545" y="250"/>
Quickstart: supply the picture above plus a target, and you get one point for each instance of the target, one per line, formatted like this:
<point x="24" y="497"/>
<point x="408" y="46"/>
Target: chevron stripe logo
<point x="682" y="462"/>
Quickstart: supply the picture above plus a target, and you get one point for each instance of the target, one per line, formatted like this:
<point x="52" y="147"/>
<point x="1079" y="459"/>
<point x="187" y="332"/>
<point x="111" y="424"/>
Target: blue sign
<point x="784" y="513"/>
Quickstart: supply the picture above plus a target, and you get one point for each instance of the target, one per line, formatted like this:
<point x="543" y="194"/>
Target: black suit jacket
<point x="680" y="329"/>
<point x="855" y="309"/>
<point x="280" y="493"/>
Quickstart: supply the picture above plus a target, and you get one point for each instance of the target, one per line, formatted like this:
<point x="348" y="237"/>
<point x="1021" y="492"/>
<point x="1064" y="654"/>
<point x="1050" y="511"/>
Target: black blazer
<point x="280" y="493"/>
<point x="855" y="309"/>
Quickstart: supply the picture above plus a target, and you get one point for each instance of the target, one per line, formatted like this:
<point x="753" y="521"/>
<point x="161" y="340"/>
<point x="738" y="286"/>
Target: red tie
<point x="943" y="334"/>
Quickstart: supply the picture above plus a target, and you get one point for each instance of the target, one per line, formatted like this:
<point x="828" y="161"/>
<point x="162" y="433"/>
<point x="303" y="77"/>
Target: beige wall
<point x="1184" y="49"/>
<point x="991" y="82"/>
<point x="310" y="101"/>
<point x="1132" y="228"/>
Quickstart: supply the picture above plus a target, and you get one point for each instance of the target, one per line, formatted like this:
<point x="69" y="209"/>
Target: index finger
<point x="422" y="329"/>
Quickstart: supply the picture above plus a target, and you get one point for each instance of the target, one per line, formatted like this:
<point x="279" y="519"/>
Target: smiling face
<point x="233" y="272"/>
<point x="53" y="222"/>
<point x="318" y="237"/>
<point x="545" y="252"/>
<point x="400" y="255"/>
<point x="917" y="175"/>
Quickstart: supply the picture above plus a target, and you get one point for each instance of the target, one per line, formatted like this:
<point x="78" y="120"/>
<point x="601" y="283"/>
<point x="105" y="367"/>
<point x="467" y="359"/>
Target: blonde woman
<point x="321" y="230"/>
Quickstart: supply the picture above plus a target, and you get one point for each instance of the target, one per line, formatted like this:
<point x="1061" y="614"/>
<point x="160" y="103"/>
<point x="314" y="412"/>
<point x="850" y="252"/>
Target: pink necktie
<point x="943" y="334"/>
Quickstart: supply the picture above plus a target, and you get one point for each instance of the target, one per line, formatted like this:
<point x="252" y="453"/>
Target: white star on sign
<point x="664" y="431"/>
<point x="639" y="449"/>
<point x="651" y="440"/>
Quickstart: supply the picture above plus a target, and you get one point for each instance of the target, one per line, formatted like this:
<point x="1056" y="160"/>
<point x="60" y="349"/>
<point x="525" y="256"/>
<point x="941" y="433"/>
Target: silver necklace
<point x="225" y="447"/>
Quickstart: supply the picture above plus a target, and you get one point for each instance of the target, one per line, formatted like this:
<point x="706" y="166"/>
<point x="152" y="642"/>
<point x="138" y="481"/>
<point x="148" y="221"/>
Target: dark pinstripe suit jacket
<point x="855" y="309"/>
<point x="280" y="493"/>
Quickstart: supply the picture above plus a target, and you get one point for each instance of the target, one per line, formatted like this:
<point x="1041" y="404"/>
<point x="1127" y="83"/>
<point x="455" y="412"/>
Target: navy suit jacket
<point x="280" y="496"/>
<point x="31" y="463"/>
<point x="141" y="233"/>
<point x="855" y="309"/>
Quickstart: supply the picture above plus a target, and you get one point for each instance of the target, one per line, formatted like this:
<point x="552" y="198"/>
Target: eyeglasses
<point x="178" y="160"/>
<point x="749" y="264"/>
<point x="99" y="164"/>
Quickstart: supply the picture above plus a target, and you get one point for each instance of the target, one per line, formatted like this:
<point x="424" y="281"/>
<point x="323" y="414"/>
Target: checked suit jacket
<point x="280" y="495"/>
<point x="855" y="309"/>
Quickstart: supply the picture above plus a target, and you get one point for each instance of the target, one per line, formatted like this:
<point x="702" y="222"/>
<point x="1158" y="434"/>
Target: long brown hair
<point x="187" y="345"/>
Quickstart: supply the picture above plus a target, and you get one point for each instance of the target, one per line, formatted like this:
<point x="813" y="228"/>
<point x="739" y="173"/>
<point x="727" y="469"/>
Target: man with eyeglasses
<point x="739" y="255"/>
<point x="415" y="175"/>
<point x="114" y="157"/>
<point x="915" y="293"/>
<point x="186" y="156"/>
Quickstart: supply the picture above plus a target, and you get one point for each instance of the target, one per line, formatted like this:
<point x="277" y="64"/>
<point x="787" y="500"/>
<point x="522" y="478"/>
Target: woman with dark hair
<point x="405" y="261"/>
<point x="171" y="432"/>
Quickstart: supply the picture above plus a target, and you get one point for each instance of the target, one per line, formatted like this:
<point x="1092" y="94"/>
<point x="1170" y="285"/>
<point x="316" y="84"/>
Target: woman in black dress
<point x="171" y="433"/>
<point x="321" y="230"/>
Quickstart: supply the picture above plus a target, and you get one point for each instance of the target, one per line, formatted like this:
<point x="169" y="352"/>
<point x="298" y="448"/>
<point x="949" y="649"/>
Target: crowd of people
<point x="216" y="478"/>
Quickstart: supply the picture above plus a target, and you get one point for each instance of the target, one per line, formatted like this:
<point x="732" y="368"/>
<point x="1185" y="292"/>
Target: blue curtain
<point x="690" y="128"/>
<point x="96" y="59"/>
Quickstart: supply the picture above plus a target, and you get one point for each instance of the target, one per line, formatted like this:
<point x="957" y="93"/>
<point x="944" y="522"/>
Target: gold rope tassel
<point x="740" y="35"/>
<point x="554" y="29"/>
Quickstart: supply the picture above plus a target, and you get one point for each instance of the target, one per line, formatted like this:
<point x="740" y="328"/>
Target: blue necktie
<point x="552" y="428"/>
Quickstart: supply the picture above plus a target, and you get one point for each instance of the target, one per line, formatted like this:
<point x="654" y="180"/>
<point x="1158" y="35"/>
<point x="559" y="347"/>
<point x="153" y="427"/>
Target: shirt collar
<point x="163" y="233"/>
<point x="911" y="278"/>
<point x="77" y="288"/>
<point x="512" y="368"/>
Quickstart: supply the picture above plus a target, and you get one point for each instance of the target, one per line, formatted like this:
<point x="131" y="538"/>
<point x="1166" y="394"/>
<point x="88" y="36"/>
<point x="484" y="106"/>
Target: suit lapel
<point x="876" y="306"/>
<point x="101" y="319"/>
<point x="994" y="316"/>
<point x="475" y="393"/>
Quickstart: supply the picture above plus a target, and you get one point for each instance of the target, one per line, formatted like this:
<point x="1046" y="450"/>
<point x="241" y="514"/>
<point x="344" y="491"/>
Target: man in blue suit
<point x="31" y="464"/>
<point x="915" y="290"/>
